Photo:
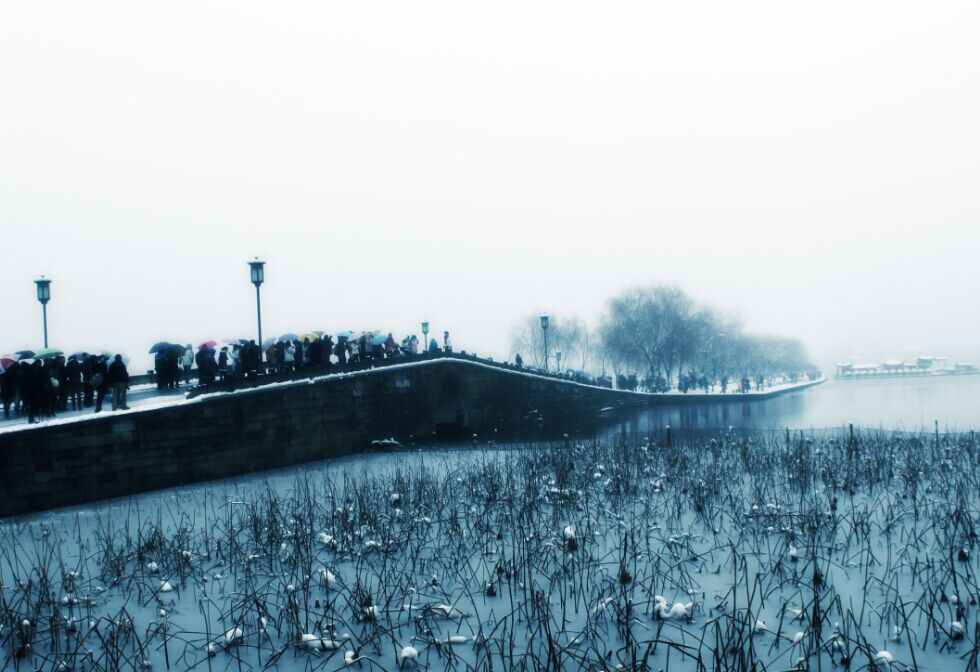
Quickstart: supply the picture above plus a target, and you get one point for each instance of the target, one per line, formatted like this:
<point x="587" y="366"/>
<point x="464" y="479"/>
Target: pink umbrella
<point x="6" y="362"/>
<point x="207" y="344"/>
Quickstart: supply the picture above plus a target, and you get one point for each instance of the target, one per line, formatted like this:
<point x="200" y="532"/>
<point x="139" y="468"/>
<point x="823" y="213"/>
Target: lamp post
<point x="425" y="335"/>
<point x="258" y="277"/>
<point x="544" y="328"/>
<point x="558" y="361"/>
<point x="44" y="295"/>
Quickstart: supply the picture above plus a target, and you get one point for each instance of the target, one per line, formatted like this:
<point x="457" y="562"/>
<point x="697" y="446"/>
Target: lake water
<point x="906" y="404"/>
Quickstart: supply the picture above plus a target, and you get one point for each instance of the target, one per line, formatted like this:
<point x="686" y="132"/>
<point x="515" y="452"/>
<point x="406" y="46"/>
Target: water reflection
<point x="910" y="404"/>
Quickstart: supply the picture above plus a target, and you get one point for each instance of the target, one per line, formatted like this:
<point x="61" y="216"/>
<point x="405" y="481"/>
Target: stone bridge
<point x="282" y="424"/>
<point x="285" y="423"/>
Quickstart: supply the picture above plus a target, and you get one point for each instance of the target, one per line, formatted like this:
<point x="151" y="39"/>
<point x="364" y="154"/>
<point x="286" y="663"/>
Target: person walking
<point x="413" y="345"/>
<point x="252" y="358"/>
<point x="173" y="369"/>
<point x="49" y="389"/>
<point x="88" y="389"/>
<point x="271" y="358"/>
<point x="33" y="385"/>
<point x="73" y="379"/>
<point x="8" y="380"/>
<point x="447" y="343"/>
<point x="327" y="350"/>
<point x="223" y="363"/>
<point x="187" y="362"/>
<point x="390" y="346"/>
<point x="280" y="348"/>
<point x="300" y="357"/>
<point x="118" y="378"/>
<point x="160" y="368"/>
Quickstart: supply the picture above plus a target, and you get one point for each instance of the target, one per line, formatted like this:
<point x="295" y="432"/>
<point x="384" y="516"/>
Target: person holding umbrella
<point x="160" y="366"/>
<point x="33" y="390"/>
<point x="8" y="383"/>
<point x="118" y="378"/>
<point x="73" y="380"/>
<point x="187" y="362"/>
<point x="390" y="346"/>
<point x="100" y="383"/>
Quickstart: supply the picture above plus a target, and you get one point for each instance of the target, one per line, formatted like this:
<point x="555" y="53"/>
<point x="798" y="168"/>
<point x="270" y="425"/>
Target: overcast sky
<point x="812" y="166"/>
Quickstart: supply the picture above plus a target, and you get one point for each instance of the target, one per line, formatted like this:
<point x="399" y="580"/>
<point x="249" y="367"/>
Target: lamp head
<point x="43" y="289"/>
<point x="258" y="271"/>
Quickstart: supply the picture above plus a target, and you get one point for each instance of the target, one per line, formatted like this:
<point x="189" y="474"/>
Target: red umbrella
<point x="6" y="362"/>
<point x="207" y="344"/>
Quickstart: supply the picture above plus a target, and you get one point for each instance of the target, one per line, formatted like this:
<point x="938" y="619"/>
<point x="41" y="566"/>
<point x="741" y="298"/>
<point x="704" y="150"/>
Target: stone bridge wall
<point x="223" y="435"/>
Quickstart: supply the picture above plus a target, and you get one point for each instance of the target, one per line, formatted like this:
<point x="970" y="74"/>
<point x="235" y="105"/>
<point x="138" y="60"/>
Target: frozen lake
<point x="736" y="552"/>
<point x="590" y="556"/>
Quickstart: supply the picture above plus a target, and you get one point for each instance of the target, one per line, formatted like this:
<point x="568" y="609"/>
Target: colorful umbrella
<point x="207" y="344"/>
<point x="47" y="353"/>
<point x="24" y="354"/>
<point x="312" y="336"/>
<point x="268" y="343"/>
<point x="289" y="338"/>
<point x="6" y="362"/>
<point x="160" y="347"/>
<point x="344" y="335"/>
<point x="379" y="339"/>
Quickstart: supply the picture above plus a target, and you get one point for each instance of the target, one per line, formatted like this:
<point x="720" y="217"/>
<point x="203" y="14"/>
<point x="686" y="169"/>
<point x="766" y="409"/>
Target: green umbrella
<point x="47" y="353"/>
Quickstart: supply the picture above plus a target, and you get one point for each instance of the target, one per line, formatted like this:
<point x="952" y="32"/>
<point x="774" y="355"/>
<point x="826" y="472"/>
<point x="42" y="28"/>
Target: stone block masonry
<point x="222" y="435"/>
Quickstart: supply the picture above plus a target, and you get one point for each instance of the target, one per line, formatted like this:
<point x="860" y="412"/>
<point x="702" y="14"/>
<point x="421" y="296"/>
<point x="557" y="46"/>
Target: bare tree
<point x="651" y="330"/>
<point x="660" y="332"/>
<point x="565" y="335"/>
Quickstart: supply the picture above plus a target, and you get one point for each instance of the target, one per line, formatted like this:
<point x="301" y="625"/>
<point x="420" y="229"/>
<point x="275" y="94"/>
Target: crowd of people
<point x="247" y="359"/>
<point x="40" y="388"/>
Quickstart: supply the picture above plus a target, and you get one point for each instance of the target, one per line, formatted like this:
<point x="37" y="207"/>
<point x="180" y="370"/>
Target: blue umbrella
<point x="379" y="339"/>
<point x="290" y="337"/>
<point x="344" y="335"/>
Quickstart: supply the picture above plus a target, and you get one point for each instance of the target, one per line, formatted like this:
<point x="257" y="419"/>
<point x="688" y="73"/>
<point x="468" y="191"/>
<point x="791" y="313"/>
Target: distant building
<point x="924" y="365"/>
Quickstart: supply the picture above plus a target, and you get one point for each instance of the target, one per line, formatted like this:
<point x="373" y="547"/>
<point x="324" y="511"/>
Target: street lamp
<point x="425" y="335"/>
<point x="544" y="328"/>
<point x="44" y="295"/>
<point x="258" y="277"/>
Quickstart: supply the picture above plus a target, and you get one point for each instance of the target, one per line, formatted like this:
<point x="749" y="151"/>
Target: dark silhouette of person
<point x="33" y="389"/>
<point x="73" y="379"/>
<point x="119" y="380"/>
<point x="100" y="381"/>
